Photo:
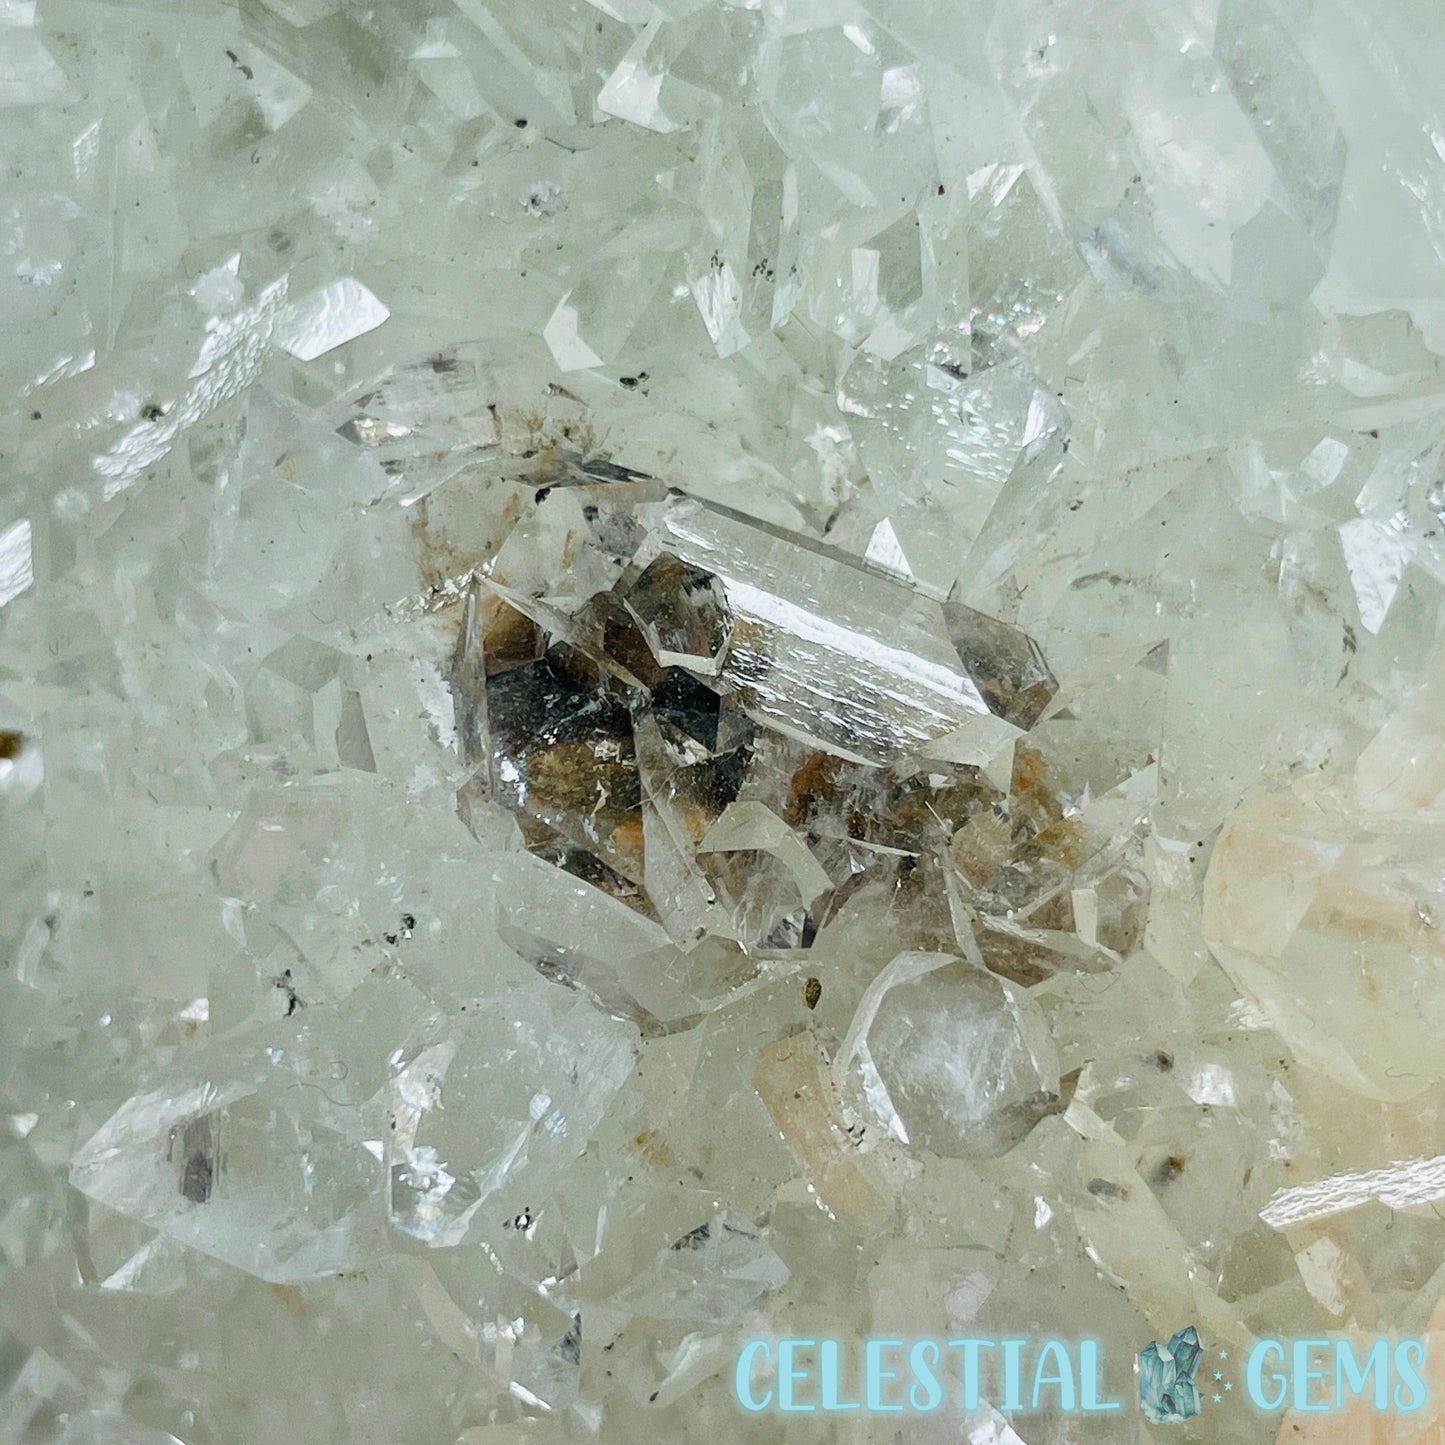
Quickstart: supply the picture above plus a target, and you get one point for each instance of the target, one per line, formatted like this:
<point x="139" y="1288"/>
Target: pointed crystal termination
<point x="1167" y="1392"/>
<point x="472" y="1119"/>
<point x="712" y="1275"/>
<point x="951" y="1058"/>
<point x="683" y="615"/>
<point x="701" y="714"/>
<point x="1004" y="663"/>
<point x="241" y="1164"/>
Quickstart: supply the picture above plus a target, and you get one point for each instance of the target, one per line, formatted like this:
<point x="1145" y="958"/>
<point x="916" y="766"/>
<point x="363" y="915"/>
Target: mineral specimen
<point x="1324" y="901"/>
<point x="952" y="1058"/>
<point x="496" y="1103"/>
<point x="701" y="716"/>
<point x="679" y="671"/>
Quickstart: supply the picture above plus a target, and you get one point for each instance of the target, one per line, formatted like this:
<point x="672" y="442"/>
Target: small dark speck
<point x="1169" y="1169"/>
<point x="12" y="744"/>
<point x="293" y="1001"/>
<point x="153" y="411"/>
<point x="520" y="122"/>
<point x="812" y="992"/>
<point x="1163" y="1061"/>
<point x="35" y="416"/>
<point x="653" y="1396"/>
<point x="1103" y="1189"/>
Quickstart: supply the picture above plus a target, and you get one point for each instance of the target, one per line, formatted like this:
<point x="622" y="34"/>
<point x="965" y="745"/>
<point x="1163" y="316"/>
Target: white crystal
<point x="17" y="572"/>
<point x="490" y="1113"/>
<point x="952" y="1058"/>
<point x="712" y="1275"/>
<point x="246" y="1163"/>
<point x="329" y="317"/>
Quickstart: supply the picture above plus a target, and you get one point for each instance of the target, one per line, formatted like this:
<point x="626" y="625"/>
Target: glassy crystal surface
<point x="496" y="1102"/>
<point x="712" y="1275"/>
<point x="953" y="1059"/>
<point x="675" y="671"/>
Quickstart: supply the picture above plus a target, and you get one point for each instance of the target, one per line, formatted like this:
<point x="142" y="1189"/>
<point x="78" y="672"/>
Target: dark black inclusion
<point x="689" y="705"/>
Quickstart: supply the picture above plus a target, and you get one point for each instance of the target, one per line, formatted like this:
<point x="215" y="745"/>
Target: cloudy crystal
<point x="680" y="671"/>
<point x="475" y="1125"/>
<point x="953" y="1059"/>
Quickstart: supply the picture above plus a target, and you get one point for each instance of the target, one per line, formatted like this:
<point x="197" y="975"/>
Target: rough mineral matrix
<point x="722" y="721"/>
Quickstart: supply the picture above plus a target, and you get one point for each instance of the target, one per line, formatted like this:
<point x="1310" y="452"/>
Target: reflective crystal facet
<point x="686" y="671"/>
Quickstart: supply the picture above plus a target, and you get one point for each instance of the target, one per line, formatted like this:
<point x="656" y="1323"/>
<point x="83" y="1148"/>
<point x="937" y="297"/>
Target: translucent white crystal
<point x="1413" y="1183"/>
<point x="803" y="638"/>
<point x="28" y="72"/>
<point x="953" y="1059"/>
<point x="712" y="1275"/>
<point x="245" y="1163"/>
<point x="17" y="572"/>
<point x="1327" y="913"/>
<point x="813" y="659"/>
<point x="489" y="1114"/>
<point x="328" y="318"/>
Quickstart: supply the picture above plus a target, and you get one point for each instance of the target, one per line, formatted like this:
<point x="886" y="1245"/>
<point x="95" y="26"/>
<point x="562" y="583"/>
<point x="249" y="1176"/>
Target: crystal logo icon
<point x="1167" y="1392"/>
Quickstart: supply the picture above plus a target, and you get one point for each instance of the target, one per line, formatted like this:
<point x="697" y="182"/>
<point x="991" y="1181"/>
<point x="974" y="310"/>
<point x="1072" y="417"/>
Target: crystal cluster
<point x="686" y="670"/>
<point x="735" y="732"/>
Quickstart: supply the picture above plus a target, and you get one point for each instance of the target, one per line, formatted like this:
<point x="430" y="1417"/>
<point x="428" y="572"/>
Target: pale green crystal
<point x="681" y="670"/>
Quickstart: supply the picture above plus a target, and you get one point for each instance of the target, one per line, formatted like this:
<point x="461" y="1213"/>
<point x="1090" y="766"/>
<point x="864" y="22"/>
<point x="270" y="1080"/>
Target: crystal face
<point x="955" y="1060"/>
<point x="686" y="671"/>
<point x="503" y="1101"/>
<point x="719" y="734"/>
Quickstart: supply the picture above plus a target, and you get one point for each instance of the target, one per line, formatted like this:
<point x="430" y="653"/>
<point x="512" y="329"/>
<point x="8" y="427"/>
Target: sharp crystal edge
<point x="685" y="673"/>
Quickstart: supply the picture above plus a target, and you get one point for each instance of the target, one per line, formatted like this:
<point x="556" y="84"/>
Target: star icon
<point x="1227" y="1385"/>
<point x="1224" y="1354"/>
<point x="1217" y="1375"/>
<point x="1218" y="1398"/>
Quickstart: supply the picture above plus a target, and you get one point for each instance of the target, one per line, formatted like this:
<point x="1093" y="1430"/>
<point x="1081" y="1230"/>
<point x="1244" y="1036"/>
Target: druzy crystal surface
<point x="687" y="671"/>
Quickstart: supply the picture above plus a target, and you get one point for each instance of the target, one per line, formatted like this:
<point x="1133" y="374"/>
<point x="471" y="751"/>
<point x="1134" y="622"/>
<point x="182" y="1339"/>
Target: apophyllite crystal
<point x="709" y="718"/>
<point x="684" y="674"/>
